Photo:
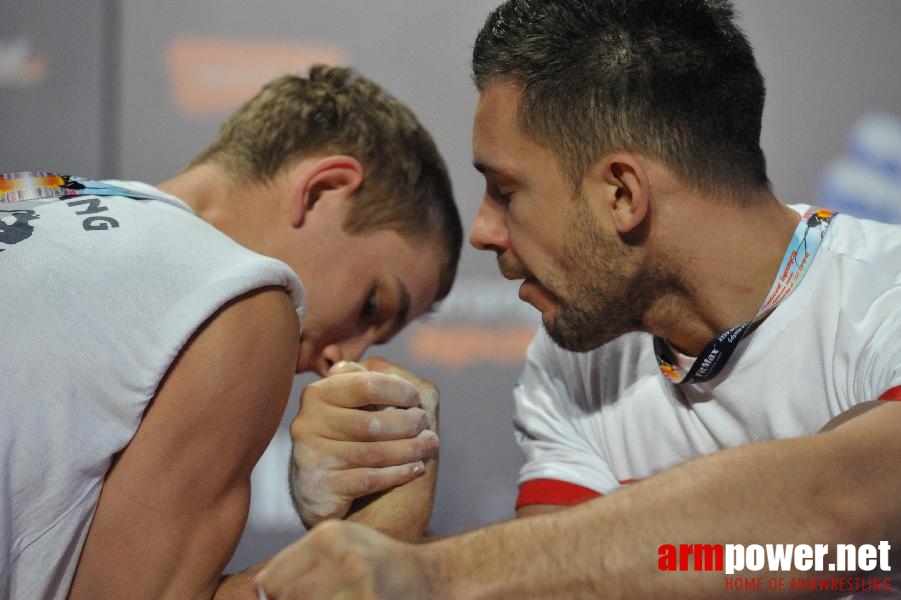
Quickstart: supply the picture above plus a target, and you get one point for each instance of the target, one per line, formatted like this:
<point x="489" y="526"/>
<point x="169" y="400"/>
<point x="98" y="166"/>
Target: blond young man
<point x="159" y="329"/>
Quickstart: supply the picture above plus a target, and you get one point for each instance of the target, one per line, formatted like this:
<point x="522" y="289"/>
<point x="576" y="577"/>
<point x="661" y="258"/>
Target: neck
<point x="204" y="188"/>
<point x="726" y="256"/>
<point x="214" y="197"/>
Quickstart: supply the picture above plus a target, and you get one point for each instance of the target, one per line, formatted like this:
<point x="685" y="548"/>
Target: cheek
<point x="534" y="251"/>
<point x="331" y="299"/>
<point x="336" y="322"/>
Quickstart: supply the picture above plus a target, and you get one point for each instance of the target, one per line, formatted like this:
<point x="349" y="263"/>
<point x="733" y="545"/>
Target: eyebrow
<point x="484" y="168"/>
<point x="403" y="311"/>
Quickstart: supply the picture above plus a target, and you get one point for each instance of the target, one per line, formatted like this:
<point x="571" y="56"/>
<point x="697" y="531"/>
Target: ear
<point x="626" y="190"/>
<point x="339" y="174"/>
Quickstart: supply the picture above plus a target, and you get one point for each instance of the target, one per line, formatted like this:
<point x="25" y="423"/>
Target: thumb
<point x="346" y="366"/>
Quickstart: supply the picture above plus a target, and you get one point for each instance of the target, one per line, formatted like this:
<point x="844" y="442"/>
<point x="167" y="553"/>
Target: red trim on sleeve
<point x="892" y="394"/>
<point x="551" y="491"/>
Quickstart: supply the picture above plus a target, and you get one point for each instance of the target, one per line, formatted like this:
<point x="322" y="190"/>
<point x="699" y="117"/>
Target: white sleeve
<point x="881" y="374"/>
<point x="552" y="428"/>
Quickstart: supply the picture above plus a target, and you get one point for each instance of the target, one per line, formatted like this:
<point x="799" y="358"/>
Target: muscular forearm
<point x="824" y="489"/>
<point x="402" y="512"/>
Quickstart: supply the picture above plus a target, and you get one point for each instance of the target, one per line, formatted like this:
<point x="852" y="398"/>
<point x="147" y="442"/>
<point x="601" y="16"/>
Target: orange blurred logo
<point x="211" y="76"/>
<point x="21" y="65"/>
<point x="459" y="346"/>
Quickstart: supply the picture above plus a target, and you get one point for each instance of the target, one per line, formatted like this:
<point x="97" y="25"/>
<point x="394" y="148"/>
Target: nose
<point x="489" y="228"/>
<point x="349" y="349"/>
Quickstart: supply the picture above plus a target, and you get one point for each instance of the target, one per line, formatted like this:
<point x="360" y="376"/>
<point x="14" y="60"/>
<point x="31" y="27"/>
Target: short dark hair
<point x="406" y="186"/>
<point x="675" y="80"/>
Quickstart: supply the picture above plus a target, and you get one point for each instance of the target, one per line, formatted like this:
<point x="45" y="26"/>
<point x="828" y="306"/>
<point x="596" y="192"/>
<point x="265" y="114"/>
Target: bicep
<point x="174" y="503"/>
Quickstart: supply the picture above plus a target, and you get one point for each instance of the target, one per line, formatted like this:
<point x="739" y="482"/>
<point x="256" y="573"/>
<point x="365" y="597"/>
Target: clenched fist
<point x="363" y="429"/>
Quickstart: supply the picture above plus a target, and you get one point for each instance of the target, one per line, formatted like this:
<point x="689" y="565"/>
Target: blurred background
<point x="134" y="89"/>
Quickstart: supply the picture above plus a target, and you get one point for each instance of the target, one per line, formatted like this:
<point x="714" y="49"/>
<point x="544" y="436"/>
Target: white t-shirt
<point x="591" y="423"/>
<point x="99" y="296"/>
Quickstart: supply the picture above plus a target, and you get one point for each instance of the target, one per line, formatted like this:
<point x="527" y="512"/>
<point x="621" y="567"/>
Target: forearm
<point x="402" y="512"/>
<point x="802" y="491"/>
<point x="239" y="586"/>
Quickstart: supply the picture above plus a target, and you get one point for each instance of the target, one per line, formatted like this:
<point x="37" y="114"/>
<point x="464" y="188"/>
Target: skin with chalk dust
<point x="312" y="487"/>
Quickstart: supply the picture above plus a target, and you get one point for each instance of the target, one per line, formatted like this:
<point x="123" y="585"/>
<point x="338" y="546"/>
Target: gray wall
<point x="54" y="88"/>
<point x="827" y="63"/>
<point x="112" y="103"/>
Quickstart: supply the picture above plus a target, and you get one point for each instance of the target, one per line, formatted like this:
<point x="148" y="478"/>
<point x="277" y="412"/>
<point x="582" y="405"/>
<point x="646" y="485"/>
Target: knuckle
<point x="417" y="418"/>
<point x="361" y="386"/>
<point x="371" y="481"/>
<point x="418" y="449"/>
<point x="305" y="459"/>
<point x="368" y="455"/>
<point x="306" y="432"/>
<point x="313" y="390"/>
<point x="366" y="482"/>
<point x="297" y="429"/>
<point x="370" y="427"/>
<point x="373" y="455"/>
<point x="426" y="445"/>
<point x="430" y="394"/>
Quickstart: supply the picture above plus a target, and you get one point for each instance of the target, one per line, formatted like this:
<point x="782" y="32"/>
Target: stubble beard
<point x="608" y="292"/>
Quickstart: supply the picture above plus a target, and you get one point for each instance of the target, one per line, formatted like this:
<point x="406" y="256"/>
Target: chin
<point x="548" y="320"/>
<point x="576" y="337"/>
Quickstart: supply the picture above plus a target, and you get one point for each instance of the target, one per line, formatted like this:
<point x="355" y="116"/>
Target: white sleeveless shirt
<point x="98" y="297"/>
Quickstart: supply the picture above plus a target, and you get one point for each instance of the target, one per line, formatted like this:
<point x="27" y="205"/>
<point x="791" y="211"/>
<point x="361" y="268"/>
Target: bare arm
<point x="836" y="487"/>
<point x="174" y="504"/>
<point x="537" y="509"/>
<point x="403" y="512"/>
<point x="841" y="486"/>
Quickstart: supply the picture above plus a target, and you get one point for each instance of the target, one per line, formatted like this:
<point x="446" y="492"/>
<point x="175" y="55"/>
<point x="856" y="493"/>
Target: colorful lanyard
<point x="798" y="256"/>
<point x="18" y="187"/>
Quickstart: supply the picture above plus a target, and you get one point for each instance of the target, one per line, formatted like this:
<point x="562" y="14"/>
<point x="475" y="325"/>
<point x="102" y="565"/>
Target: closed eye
<point x="386" y="309"/>
<point x="501" y="196"/>
<point x="370" y="307"/>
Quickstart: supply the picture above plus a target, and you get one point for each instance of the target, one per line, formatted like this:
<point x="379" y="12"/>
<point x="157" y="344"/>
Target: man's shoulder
<point x="866" y="245"/>
<point x="238" y="363"/>
<point x="259" y="319"/>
